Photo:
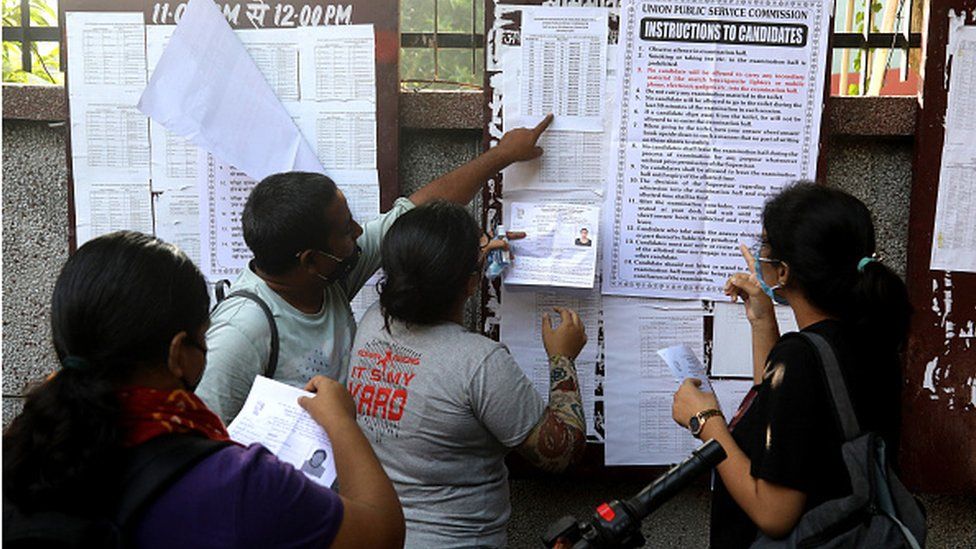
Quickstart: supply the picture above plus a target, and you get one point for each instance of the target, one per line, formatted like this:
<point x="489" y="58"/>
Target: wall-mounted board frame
<point x="272" y="14"/>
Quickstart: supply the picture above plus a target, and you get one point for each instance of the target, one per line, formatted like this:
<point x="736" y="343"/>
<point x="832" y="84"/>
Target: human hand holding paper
<point x="272" y="417"/>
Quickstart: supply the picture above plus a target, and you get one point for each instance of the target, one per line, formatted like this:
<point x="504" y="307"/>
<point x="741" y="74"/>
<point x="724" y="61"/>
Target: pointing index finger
<point x="541" y="127"/>
<point x="747" y="255"/>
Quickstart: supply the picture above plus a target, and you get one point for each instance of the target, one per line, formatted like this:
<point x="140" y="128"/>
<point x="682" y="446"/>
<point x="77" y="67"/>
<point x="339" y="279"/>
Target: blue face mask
<point x="766" y="288"/>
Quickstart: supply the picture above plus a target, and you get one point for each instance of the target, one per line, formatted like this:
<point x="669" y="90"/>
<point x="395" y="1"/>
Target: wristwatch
<point x="697" y="421"/>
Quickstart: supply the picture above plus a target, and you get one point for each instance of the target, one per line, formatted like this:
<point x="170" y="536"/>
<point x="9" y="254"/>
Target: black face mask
<point x="344" y="267"/>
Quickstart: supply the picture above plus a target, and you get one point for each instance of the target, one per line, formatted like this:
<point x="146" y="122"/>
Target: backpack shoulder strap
<point x="153" y="466"/>
<point x="272" y="366"/>
<point x="835" y="383"/>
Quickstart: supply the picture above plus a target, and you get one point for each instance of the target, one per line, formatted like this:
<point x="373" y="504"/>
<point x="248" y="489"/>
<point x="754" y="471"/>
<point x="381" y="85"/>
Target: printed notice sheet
<point x="639" y="385"/>
<point x="563" y="67"/>
<point x="272" y="417"/>
<point x="560" y="246"/>
<point x="954" y="237"/>
<point x="223" y="193"/>
<point x="522" y="308"/>
<point x="109" y="136"/>
<point x="718" y="107"/>
<point x="732" y="338"/>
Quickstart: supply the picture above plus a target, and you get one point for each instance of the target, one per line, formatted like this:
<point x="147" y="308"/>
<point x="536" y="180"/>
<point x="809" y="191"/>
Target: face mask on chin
<point x="344" y="265"/>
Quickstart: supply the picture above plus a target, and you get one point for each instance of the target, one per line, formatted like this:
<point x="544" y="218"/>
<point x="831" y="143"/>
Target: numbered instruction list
<point x="719" y="107"/>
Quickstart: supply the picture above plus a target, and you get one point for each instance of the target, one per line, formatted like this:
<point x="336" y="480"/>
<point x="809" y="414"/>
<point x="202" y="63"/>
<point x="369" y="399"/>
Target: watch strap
<point x="702" y="417"/>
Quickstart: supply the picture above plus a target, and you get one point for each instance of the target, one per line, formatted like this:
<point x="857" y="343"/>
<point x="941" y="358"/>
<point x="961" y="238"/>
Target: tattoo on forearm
<point x="560" y="436"/>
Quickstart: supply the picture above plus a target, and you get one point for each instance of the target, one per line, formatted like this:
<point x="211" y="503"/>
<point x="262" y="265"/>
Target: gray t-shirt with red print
<point x="441" y="407"/>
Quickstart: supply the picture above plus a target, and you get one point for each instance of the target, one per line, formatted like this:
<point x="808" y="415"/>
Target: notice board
<point x="938" y="447"/>
<point x="627" y="327"/>
<point x="112" y="58"/>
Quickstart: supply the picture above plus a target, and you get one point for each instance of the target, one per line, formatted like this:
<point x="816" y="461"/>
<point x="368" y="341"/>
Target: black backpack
<point x="148" y="470"/>
<point x="880" y="512"/>
<point x="219" y="290"/>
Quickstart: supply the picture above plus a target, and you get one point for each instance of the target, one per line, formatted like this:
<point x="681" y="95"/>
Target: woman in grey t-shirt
<point x="441" y="405"/>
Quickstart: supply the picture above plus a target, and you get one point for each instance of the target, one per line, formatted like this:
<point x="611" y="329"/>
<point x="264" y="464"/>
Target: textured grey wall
<point x="35" y="245"/>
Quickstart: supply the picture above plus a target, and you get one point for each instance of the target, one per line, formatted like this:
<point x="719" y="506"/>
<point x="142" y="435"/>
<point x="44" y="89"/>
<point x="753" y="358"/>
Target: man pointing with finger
<point x="310" y="258"/>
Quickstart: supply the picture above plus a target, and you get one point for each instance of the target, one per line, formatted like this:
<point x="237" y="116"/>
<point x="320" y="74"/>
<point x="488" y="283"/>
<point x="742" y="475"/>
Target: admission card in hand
<point x="272" y="417"/>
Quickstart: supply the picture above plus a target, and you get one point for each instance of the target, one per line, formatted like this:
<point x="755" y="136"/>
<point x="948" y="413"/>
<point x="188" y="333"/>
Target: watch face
<point x="694" y="425"/>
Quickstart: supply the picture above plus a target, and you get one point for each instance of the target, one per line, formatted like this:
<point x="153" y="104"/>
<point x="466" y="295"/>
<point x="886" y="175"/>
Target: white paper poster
<point x="521" y="332"/>
<point x="109" y="137"/>
<point x="719" y="107"/>
<point x="223" y="193"/>
<point x="563" y="67"/>
<point x="732" y="338"/>
<point x="954" y="236"/>
<point x="560" y="248"/>
<point x="639" y="385"/>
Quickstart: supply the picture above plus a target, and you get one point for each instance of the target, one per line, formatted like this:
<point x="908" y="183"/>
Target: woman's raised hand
<point x="759" y="308"/>
<point x="568" y="339"/>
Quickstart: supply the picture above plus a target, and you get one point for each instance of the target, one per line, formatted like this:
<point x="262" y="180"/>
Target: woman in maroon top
<point x="817" y="253"/>
<point x="128" y="318"/>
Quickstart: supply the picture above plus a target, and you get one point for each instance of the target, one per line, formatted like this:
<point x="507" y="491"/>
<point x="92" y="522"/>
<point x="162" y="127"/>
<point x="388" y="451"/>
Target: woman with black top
<point x="817" y="253"/>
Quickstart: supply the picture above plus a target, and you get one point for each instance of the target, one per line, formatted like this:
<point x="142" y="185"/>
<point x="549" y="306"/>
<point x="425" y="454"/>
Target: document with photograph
<point x="560" y="244"/>
<point x="272" y="417"/>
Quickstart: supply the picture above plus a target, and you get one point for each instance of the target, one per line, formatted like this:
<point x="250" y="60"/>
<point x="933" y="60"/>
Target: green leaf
<point x="852" y="89"/>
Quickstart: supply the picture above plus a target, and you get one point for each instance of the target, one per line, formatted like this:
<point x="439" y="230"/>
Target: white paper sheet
<point x="684" y="363"/>
<point x="639" y="385"/>
<point x="173" y="160"/>
<point x="207" y="88"/>
<point x="275" y="52"/>
<point x="107" y="55"/>
<point x="223" y="193"/>
<point x="732" y="338"/>
<point x="560" y="246"/>
<point x="563" y="67"/>
<point x="272" y="417"/>
<point x="178" y="220"/>
<point x="105" y="207"/>
<point x="367" y="296"/>
<point x="709" y="123"/>
<point x="343" y="139"/>
<point x="363" y="200"/>
<point x="521" y="332"/>
<point x="109" y="141"/>
<point x="954" y="235"/>
<point x="572" y="160"/>
<point x="340" y="64"/>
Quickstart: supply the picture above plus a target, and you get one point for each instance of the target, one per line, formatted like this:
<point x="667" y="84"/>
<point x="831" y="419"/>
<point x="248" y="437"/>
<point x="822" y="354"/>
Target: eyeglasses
<point x="756" y="250"/>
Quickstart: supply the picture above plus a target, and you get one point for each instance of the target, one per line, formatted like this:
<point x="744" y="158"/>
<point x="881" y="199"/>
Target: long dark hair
<point x="428" y="256"/>
<point x="823" y="234"/>
<point x="117" y="304"/>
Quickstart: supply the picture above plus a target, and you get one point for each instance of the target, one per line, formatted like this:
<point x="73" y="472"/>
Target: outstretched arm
<point x="462" y="184"/>
<point x="559" y="438"/>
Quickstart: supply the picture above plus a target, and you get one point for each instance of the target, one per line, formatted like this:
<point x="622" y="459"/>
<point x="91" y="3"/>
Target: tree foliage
<point x="45" y="61"/>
